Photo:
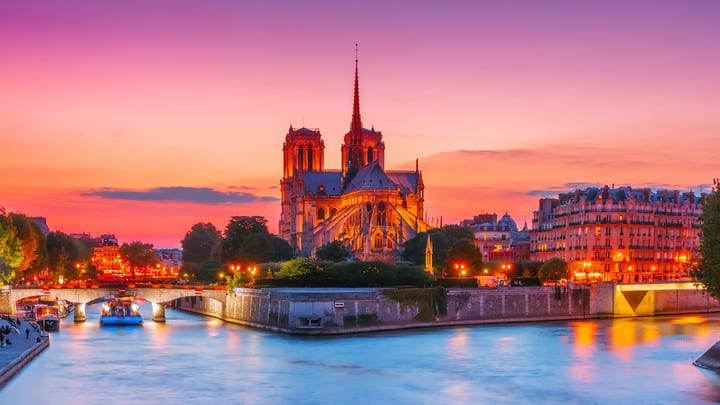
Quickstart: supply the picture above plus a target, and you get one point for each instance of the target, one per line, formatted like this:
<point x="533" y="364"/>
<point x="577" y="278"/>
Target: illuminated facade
<point x="499" y="240"/>
<point x="619" y="234"/>
<point x="108" y="262"/>
<point x="373" y="211"/>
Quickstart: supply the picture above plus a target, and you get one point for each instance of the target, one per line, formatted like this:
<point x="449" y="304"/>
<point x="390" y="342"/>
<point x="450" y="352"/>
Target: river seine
<point x="197" y="360"/>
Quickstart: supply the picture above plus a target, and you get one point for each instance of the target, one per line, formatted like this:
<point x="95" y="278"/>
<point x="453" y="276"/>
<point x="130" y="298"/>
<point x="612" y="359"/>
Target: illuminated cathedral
<point x="372" y="211"/>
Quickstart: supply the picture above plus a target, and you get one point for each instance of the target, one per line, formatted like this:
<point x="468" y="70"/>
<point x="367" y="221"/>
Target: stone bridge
<point x="159" y="297"/>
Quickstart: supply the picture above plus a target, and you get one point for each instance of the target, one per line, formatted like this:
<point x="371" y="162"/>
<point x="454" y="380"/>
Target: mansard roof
<point x="626" y="193"/>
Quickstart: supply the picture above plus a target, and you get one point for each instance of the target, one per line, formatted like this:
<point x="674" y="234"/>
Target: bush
<point x="334" y="252"/>
<point x="302" y="269"/>
<point x="553" y="270"/>
<point x="308" y="273"/>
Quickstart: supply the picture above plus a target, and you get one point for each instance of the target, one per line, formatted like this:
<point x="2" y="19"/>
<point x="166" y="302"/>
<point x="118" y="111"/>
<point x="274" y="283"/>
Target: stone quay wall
<point x="16" y="356"/>
<point x="334" y="311"/>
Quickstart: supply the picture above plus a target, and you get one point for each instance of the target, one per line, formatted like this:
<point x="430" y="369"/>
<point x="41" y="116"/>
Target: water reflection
<point x="202" y="360"/>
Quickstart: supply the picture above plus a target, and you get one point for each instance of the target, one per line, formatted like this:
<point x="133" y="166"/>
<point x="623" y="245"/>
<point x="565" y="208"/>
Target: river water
<point x="192" y="359"/>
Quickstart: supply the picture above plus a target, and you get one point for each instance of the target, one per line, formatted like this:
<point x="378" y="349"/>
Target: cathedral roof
<point x="371" y="177"/>
<point x="325" y="182"/>
<point x="408" y="181"/>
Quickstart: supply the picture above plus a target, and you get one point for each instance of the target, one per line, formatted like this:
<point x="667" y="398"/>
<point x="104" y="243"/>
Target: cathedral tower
<point x="303" y="150"/>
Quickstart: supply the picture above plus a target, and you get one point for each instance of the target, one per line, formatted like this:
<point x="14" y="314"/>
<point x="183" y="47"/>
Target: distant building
<point x="108" y="262"/>
<point x="499" y="240"/>
<point x="170" y="258"/>
<point x="620" y="234"/>
<point x="102" y="240"/>
<point x="41" y="222"/>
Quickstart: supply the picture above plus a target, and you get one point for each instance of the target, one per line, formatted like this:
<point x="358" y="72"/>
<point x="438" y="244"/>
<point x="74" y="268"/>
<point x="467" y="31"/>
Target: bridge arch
<point x="80" y="297"/>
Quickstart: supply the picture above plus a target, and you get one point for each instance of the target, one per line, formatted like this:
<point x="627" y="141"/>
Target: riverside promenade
<point x="22" y="350"/>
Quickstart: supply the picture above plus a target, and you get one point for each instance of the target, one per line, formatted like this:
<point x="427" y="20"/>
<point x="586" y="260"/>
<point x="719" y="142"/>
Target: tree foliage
<point x="63" y="251"/>
<point x="300" y="268"/>
<point x="708" y="271"/>
<point x="33" y="243"/>
<point x="11" y="251"/>
<point x="247" y="240"/>
<point x="200" y="242"/>
<point x="309" y="272"/>
<point x="555" y="269"/>
<point x="464" y="252"/>
<point x="138" y="254"/>
<point x="442" y="240"/>
<point x="334" y="251"/>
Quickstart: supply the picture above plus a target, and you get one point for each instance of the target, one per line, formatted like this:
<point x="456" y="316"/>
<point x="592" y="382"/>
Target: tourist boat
<point x="47" y="317"/>
<point x="120" y="311"/>
<point x="64" y="307"/>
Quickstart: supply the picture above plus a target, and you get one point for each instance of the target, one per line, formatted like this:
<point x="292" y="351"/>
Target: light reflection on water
<point x="195" y="359"/>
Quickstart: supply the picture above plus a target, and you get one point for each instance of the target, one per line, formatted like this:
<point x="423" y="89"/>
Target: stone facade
<point x="373" y="211"/>
<point x="620" y="234"/>
<point x="334" y="311"/>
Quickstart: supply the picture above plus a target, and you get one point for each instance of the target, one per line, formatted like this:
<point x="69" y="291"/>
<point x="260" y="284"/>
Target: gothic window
<point x="370" y="154"/>
<point x="301" y="158"/>
<point x="309" y="158"/>
<point x="333" y="211"/>
<point x="378" y="241"/>
<point x="390" y="242"/>
<point x="381" y="215"/>
<point x="321" y="214"/>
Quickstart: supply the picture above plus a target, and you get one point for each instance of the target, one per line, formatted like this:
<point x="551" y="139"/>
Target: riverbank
<point x="332" y="311"/>
<point x="21" y="351"/>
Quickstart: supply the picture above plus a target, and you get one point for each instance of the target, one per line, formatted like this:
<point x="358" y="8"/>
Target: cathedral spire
<point x="356" y="123"/>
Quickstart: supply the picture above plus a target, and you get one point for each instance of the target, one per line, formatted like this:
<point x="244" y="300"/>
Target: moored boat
<point x="120" y="311"/>
<point x="47" y="317"/>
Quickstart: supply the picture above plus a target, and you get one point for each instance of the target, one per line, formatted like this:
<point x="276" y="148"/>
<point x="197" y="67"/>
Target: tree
<point x="555" y="269"/>
<point x="301" y="268"/>
<point x="442" y="240"/>
<point x="33" y="243"/>
<point x="238" y="229"/>
<point x="708" y="271"/>
<point x="247" y="241"/>
<point x="11" y="252"/>
<point x="138" y="254"/>
<point x="334" y="251"/>
<point x="199" y="242"/>
<point x="63" y="251"/>
<point x="464" y="253"/>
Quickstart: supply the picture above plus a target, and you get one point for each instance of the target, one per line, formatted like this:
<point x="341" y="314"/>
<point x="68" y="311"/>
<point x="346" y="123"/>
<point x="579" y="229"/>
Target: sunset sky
<point x="140" y="118"/>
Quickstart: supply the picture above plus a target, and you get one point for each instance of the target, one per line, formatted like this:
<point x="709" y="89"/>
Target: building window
<point x="390" y="242"/>
<point x="333" y="211"/>
<point x="370" y="156"/>
<point x="309" y="165"/>
<point x="321" y="214"/>
<point x="378" y="241"/>
<point x="381" y="215"/>
<point x="301" y="157"/>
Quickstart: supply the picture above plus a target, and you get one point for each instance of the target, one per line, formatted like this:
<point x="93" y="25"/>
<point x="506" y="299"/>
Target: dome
<point x="507" y="221"/>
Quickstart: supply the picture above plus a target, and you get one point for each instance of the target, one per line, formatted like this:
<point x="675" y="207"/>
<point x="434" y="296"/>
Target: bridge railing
<point x="143" y="285"/>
